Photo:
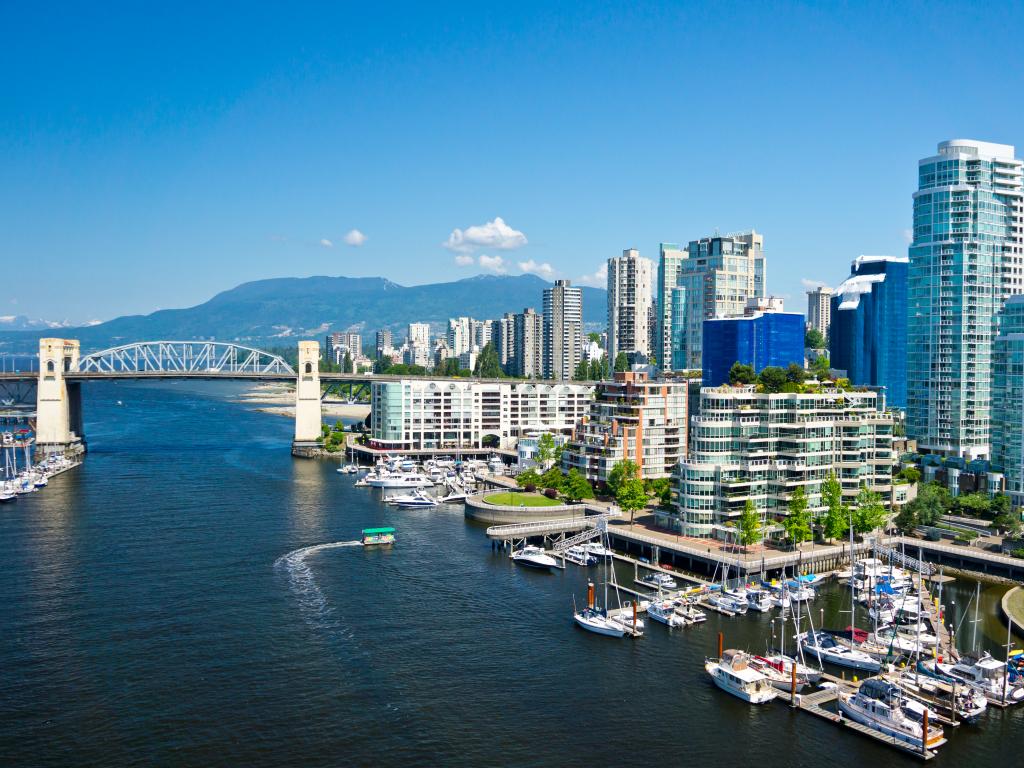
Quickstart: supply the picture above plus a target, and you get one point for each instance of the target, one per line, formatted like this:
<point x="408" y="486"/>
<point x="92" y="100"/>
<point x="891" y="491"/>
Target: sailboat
<point x="597" y="620"/>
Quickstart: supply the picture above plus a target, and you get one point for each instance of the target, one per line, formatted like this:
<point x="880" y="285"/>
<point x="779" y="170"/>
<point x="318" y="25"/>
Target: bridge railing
<point x="184" y="357"/>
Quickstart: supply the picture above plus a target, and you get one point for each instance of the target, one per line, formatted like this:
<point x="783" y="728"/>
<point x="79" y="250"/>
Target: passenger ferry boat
<point x="378" y="537"/>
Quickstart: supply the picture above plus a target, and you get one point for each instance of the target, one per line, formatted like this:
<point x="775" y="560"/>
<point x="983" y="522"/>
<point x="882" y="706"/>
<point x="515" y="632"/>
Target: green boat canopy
<point x="377" y="530"/>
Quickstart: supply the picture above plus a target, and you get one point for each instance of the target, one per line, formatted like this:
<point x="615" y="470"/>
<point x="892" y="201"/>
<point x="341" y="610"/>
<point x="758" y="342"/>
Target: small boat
<point x="660" y="580"/>
<point x="984" y="673"/>
<point x="664" y="611"/>
<point x="347" y="469"/>
<point x="784" y="664"/>
<point x="7" y="495"/>
<point x="627" y="617"/>
<point x="780" y="676"/>
<point x="969" y="704"/>
<point x="734" y="674"/>
<point x="595" y="621"/>
<point x="598" y="549"/>
<point x="691" y="614"/>
<point x="880" y="705"/>
<point x="416" y="500"/>
<point x="824" y="647"/>
<point x="759" y="600"/>
<point x="399" y="480"/>
<point x="728" y="602"/>
<point x="534" y="557"/>
<point x="378" y="537"/>
<point x="580" y="556"/>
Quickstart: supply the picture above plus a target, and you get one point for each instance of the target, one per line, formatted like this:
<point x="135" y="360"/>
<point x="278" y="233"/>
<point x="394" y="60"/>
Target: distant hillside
<point x="282" y="310"/>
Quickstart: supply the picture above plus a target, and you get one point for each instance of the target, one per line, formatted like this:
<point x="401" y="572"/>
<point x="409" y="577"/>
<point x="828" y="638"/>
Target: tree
<point x="1007" y="522"/>
<point x="911" y="474"/>
<point x="660" y="487"/>
<point x="741" y="374"/>
<point x="596" y="372"/>
<point x="621" y="362"/>
<point x="972" y="505"/>
<point x="346" y="364"/>
<point x="631" y="496"/>
<point x="529" y="477"/>
<point x="449" y="367"/>
<point x="381" y="364"/>
<point x="749" y="525"/>
<point x="553" y="478"/>
<point x="545" y="449"/>
<point x="906" y="520"/>
<point x="932" y="502"/>
<point x="622" y="471"/>
<point x="798" y="522"/>
<point x="821" y="367"/>
<point x="795" y="374"/>
<point x="582" y="371"/>
<point x="814" y="339"/>
<point x="834" y="522"/>
<point x="577" y="487"/>
<point x="594" y="336"/>
<point x="870" y="512"/>
<point x="487" y="364"/>
<point x="772" y="379"/>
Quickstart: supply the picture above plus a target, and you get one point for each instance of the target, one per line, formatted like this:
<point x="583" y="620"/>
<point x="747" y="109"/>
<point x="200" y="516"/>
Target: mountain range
<point x="280" y="311"/>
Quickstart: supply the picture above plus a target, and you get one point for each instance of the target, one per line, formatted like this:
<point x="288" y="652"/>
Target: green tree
<point x="381" y="364"/>
<point x="906" y="520"/>
<point x="772" y="379"/>
<point x="814" y="339"/>
<point x="582" y="371"/>
<point x="932" y="502"/>
<point x="972" y="505"/>
<point x="346" y="364"/>
<point x="545" y="450"/>
<point x="631" y="496"/>
<point x="911" y="474"/>
<point x="660" y="487"/>
<point x="798" y="522"/>
<point x="553" y="478"/>
<point x="1000" y="504"/>
<point x="1008" y="523"/>
<point x="820" y="367"/>
<point x="487" y="364"/>
<point x="529" y="477"/>
<point x="577" y="487"/>
<point x="594" y="336"/>
<point x="870" y="512"/>
<point x="621" y="362"/>
<point x="449" y="367"/>
<point x="835" y="521"/>
<point x="622" y="471"/>
<point x="596" y="372"/>
<point x="795" y="374"/>
<point x="742" y="374"/>
<point x="749" y="525"/>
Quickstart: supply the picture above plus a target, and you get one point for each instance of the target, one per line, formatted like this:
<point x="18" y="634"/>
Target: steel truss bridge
<point x="185" y="358"/>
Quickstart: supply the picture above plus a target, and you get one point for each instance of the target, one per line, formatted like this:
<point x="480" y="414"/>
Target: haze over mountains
<point x="281" y="311"/>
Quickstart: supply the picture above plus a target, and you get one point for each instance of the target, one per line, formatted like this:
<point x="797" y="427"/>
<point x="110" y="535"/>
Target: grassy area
<point x="1015" y="607"/>
<point x="509" y="499"/>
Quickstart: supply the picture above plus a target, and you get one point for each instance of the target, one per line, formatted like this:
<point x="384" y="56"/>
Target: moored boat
<point x="734" y="674"/>
<point x="534" y="557"/>
<point x="880" y="705"/>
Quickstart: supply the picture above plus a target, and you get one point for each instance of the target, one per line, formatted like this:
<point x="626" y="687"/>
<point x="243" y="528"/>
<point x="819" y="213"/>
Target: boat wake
<point x="303" y="583"/>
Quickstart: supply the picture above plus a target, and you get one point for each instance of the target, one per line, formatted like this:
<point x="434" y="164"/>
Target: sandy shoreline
<point x="279" y="400"/>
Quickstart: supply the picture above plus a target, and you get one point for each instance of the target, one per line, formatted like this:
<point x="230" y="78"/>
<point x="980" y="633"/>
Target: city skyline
<point x="357" y="144"/>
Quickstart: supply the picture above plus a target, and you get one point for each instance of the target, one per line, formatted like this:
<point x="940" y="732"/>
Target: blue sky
<point x="153" y="158"/>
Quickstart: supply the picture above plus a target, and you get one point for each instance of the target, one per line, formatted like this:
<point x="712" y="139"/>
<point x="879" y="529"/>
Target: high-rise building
<point x="418" y="334"/>
<point x="479" y="334"/>
<point x="503" y="335"/>
<point x="713" y="278"/>
<point x="1008" y="398"/>
<point x="528" y="342"/>
<point x="563" y="330"/>
<point x="868" y="339"/>
<point x="758" y="446"/>
<point x="341" y="343"/>
<point x="459" y="338"/>
<point x="384" y="343"/>
<point x="819" y="309"/>
<point x="632" y="418"/>
<point x="966" y="259"/>
<point x="630" y="296"/>
<point x="763" y="336"/>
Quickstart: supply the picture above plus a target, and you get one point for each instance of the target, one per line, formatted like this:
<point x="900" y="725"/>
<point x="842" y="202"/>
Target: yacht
<point x="983" y="673"/>
<point x="800" y="592"/>
<point x="399" y="480"/>
<point x="416" y="500"/>
<point x="759" y="600"/>
<point x="660" y="580"/>
<point x="594" y="620"/>
<point x="781" y="677"/>
<point x="598" y="549"/>
<point x="7" y="493"/>
<point x="969" y="703"/>
<point x="627" y="618"/>
<point x="534" y="557"/>
<point x="880" y="705"/>
<point x="824" y="647"/>
<point x="664" y="611"/>
<point x="784" y="664"/>
<point x="728" y="602"/>
<point x="580" y="556"/>
<point x="734" y="674"/>
<point x="691" y="614"/>
<point x="347" y="469"/>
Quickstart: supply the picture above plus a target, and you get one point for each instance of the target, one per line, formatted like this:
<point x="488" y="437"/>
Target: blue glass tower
<point x="868" y="335"/>
<point x="760" y="339"/>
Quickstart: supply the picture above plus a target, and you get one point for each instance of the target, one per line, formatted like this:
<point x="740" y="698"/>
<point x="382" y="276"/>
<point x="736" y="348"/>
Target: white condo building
<point x="819" y="309"/>
<point x="563" y="330"/>
<point x="630" y="299"/>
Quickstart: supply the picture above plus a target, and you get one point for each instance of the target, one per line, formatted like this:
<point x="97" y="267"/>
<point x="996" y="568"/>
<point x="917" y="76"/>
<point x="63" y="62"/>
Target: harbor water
<point x="186" y="598"/>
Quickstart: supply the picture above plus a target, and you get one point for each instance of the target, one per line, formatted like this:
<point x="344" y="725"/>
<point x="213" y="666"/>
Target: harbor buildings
<point x="563" y="330"/>
<point x="966" y="259"/>
<point x="819" y="309"/>
<point x="713" y="277"/>
<point x="759" y="446"/>
<point x="419" y="413"/>
<point x="528" y="344"/>
<point x="765" y="335"/>
<point x="632" y="417"/>
<point x="1008" y="398"/>
<point x="868" y="340"/>
<point x="630" y="299"/>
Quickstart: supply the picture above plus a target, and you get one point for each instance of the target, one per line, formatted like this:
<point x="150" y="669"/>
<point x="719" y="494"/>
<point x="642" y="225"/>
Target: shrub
<point x="531" y="488"/>
<point x="551" y="493"/>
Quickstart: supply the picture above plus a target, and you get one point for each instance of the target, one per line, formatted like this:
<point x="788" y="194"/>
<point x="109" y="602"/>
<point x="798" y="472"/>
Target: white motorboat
<point x="985" y="674"/>
<point x="664" y="611"/>
<point x="579" y="556"/>
<point x="728" y="602"/>
<point x="734" y="674"/>
<point x="660" y="580"/>
<point x="598" y="549"/>
<point x="630" y="622"/>
<point x="399" y="480"/>
<point x="534" y="557"/>
<point x="595" y="621"/>
<point x="347" y="469"/>
<point x="759" y="600"/>
<point x="7" y="495"/>
<point x="691" y="614"/>
<point x="824" y="647"/>
<point x="785" y="664"/>
<point x="880" y="705"/>
<point x="416" y="500"/>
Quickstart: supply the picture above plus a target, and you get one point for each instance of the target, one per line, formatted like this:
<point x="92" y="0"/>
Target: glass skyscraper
<point x="759" y="339"/>
<point x="868" y="336"/>
<point x="1008" y="398"/>
<point x="713" y="277"/>
<point x="966" y="258"/>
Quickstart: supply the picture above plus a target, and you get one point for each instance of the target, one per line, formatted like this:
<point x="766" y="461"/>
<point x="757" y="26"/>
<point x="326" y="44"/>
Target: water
<point x="186" y="598"/>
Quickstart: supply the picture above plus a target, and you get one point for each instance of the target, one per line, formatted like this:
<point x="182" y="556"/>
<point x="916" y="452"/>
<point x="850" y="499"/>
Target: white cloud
<point x="908" y="236"/>
<point x="326" y="243"/>
<point x="494" y="264"/>
<point x="493" y="235"/>
<point x="810" y="285"/>
<point x="464" y="260"/>
<point x="544" y="270"/>
<point x="598" y="279"/>
<point x="355" y="238"/>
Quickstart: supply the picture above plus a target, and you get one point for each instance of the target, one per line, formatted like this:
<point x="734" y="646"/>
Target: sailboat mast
<point x="977" y="599"/>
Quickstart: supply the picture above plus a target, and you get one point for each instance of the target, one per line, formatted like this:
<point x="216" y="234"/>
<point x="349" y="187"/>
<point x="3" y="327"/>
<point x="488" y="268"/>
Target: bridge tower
<point x="58" y="403"/>
<point x="307" y="399"/>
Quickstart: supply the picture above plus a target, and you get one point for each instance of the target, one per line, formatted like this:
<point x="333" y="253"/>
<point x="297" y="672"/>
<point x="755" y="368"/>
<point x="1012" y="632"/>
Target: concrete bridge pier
<point x="307" y="400"/>
<point x="58" y="404"/>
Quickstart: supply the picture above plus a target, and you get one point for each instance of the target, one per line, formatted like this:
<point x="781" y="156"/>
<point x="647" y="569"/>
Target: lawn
<point x="509" y="499"/>
<point x="1015" y="605"/>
